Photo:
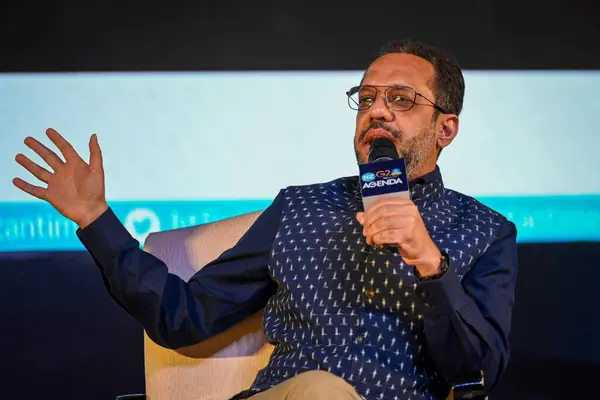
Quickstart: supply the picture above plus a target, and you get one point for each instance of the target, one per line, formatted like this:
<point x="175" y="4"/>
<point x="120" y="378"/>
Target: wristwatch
<point x="444" y="265"/>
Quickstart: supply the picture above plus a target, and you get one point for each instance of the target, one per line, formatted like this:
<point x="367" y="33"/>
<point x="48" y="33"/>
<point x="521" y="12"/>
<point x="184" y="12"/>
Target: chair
<point x="225" y="364"/>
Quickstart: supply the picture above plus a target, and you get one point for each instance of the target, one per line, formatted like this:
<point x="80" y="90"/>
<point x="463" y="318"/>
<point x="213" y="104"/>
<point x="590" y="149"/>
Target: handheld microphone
<point x="384" y="174"/>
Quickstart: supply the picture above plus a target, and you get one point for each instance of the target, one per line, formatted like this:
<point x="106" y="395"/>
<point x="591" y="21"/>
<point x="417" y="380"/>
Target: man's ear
<point x="447" y="130"/>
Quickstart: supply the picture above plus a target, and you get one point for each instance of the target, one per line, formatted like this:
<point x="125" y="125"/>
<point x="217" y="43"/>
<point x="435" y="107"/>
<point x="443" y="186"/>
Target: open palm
<point x="75" y="188"/>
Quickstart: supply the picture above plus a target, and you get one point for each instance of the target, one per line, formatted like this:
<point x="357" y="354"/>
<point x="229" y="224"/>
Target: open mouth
<point x="373" y="134"/>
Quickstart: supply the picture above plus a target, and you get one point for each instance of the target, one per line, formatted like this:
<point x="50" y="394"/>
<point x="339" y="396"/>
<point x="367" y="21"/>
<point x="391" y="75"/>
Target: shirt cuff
<point x="441" y="296"/>
<point x="105" y="233"/>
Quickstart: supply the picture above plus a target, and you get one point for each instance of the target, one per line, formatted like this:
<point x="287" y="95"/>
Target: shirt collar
<point x="429" y="186"/>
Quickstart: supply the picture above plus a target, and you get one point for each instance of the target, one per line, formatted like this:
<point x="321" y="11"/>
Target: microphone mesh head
<point x="382" y="149"/>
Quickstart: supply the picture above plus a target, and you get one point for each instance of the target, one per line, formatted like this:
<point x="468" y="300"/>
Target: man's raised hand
<point x="73" y="187"/>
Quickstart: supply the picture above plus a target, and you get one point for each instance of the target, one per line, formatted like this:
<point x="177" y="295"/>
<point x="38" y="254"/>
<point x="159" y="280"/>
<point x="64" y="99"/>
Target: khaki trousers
<point x="310" y="385"/>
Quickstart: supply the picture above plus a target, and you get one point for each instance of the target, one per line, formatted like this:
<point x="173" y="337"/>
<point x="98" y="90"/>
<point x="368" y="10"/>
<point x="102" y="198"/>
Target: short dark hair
<point x="448" y="85"/>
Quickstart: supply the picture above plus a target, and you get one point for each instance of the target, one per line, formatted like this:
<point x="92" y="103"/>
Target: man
<point x="403" y="301"/>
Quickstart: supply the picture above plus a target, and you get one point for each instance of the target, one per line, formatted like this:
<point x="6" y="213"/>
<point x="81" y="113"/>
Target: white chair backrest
<point x="224" y="365"/>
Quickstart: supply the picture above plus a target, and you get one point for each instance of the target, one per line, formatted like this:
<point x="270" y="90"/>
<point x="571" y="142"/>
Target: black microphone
<point x="384" y="174"/>
<point x="382" y="149"/>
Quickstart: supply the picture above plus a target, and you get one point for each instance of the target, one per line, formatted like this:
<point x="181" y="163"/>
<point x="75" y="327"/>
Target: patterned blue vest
<point x="321" y="317"/>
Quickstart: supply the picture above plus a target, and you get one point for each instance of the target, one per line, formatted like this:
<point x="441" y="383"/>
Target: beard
<point x="415" y="151"/>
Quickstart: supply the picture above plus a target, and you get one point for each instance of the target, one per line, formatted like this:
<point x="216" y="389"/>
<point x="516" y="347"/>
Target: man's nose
<point x="379" y="110"/>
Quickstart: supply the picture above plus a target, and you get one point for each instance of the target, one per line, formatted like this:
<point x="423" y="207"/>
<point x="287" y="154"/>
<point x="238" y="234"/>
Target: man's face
<point x="412" y="131"/>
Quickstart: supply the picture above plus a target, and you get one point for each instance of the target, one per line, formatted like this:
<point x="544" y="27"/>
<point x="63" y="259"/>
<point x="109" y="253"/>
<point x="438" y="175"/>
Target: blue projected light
<point x="37" y="226"/>
<point x="182" y="149"/>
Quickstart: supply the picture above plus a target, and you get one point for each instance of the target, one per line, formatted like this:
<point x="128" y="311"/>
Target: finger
<point x="39" y="172"/>
<point x="387" y="211"/>
<point x="35" y="191"/>
<point x="360" y="217"/>
<point x="47" y="155"/>
<point x="95" y="154"/>
<point x="389" y="236"/>
<point x="390" y="202"/>
<point x="385" y="223"/>
<point x="65" y="147"/>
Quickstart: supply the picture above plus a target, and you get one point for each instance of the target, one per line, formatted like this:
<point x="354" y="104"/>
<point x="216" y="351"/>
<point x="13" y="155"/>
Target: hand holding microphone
<point x="391" y="217"/>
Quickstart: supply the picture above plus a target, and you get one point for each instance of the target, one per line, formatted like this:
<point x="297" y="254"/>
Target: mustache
<point x="381" y="125"/>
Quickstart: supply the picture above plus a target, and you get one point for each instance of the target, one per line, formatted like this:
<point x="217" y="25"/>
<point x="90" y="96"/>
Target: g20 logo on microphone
<point x="368" y="177"/>
<point x="387" y="173"/>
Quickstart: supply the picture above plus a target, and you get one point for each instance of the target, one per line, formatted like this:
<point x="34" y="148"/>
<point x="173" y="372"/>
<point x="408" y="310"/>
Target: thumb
<point x="360" y="216"/>
<point x="95" y="154"/>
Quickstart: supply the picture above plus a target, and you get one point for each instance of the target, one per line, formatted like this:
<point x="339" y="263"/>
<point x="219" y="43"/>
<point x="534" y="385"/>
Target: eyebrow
<point x="392" y="85"/>
<point x="425" y="91"/>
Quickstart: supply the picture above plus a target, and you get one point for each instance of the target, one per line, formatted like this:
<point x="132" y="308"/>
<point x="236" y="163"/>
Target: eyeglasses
<point x="399" y="98"/>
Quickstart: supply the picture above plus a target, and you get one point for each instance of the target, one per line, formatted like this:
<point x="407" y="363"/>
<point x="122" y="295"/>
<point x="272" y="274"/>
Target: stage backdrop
<point x="190" y="148"/>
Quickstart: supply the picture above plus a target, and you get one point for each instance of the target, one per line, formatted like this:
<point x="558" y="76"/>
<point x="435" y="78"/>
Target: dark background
<point x="62" y="337"/>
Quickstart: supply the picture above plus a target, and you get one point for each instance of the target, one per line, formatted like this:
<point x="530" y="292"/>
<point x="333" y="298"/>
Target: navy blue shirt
<point x="404" y="337"/>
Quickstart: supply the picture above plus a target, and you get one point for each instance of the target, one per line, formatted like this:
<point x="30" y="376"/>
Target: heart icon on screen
<point x="140" y="222"/>
<point x="142" y="226"/>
